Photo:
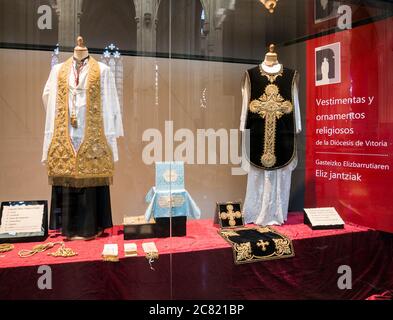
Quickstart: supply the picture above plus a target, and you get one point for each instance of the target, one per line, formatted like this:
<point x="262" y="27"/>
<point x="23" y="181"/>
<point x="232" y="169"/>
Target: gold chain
<point x="5" y="247"/>
<point x="151" y="256"/>
<point x="61" y="252"/>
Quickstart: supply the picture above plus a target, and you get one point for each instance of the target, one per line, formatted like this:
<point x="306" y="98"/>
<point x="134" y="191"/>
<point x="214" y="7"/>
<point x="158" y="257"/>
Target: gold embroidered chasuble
<point x="92" y="164"/>
<point x="270" y="120"/>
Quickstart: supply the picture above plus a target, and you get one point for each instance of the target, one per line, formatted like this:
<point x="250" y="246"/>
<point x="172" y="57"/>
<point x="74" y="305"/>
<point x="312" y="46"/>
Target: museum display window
<point x="196" y="149"/>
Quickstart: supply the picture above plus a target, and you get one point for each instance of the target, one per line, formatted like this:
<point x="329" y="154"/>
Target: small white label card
<point x="130" y="249"/>
<point x="149" y="247"/>
<point x="110" y="250"/>
<point x="324" y="217"/>
<point x="23" y="218"/>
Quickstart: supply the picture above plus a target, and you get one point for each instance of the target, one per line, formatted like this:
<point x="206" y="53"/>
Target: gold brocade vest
<point x="92" y="165"/>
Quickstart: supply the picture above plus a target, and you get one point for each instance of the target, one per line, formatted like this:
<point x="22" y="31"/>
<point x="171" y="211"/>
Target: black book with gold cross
<point x="230" y="215"/>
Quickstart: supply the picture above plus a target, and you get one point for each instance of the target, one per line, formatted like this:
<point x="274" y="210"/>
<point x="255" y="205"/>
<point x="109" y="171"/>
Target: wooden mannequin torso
<point x="80" y="51"/>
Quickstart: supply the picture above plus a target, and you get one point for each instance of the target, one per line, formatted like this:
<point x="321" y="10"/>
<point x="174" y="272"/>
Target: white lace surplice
<point x="113" y="126"/>
<point x="268" y="191"/>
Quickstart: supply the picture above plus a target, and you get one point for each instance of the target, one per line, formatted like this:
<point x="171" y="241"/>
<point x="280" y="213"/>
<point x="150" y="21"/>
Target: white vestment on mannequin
<point x="113" y="125"/>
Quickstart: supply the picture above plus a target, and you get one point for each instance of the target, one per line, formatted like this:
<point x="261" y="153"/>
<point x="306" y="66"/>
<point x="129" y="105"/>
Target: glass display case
<point x="214" y="123"/>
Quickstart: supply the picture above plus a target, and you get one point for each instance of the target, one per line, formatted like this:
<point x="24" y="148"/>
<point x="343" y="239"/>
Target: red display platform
<point x="200" y="266"/>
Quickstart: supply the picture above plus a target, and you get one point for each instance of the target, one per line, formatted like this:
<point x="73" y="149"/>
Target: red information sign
<point x="350" y="124"/>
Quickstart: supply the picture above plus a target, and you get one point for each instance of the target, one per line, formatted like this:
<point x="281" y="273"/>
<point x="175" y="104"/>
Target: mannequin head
<point x="80" y="51"/>
<point x="271" y="57"/>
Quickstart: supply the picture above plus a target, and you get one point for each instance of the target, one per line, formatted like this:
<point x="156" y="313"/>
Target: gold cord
<point x="151" y="256"/>
<point x="5" y="247"/>
<point x="61" y="252"/>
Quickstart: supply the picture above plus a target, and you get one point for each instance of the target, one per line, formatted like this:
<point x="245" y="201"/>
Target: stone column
<point x="69" y="13"/>
<point x="215" y="14"/>
<point x="146" y="20"/>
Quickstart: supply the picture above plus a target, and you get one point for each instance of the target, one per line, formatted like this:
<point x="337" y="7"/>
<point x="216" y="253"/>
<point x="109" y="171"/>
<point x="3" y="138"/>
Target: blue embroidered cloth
<point x="169" y="197"/>
<point x="170" y="176"/>
<point x="159" y="204"/>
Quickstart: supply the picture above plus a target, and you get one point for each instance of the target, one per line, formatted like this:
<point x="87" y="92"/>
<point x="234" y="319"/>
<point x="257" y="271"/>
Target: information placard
<point x="349" y="141"/>
<point x="24" y="218"/>
<point x="23" y="221"/>
<point x="323" y="218"/>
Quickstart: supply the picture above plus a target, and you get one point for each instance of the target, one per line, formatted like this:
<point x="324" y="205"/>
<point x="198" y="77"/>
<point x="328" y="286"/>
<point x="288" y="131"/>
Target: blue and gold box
<point x="169" y="176"/>
<point x="169" y="200"/>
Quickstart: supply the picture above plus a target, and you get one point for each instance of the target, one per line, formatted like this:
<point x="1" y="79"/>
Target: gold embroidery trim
<point x="229" y="233"/>
<point x="271" y="106"/>
<point x="271" y="76"/>
<point x="94" y="159"/>
<point x="80" y="183"/>
<point x="263" y="229"/>
<point x="173" y="201"/>
<point x="282" y="247"/>
<point x="243" y="251"/>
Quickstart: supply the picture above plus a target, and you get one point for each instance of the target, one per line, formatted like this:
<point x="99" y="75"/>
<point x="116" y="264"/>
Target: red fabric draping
<point x="200" y="266"/>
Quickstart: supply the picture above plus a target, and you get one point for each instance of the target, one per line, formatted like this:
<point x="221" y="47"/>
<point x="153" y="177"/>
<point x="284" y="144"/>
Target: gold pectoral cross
<point x="230" y="215"/>
<point x="263" y="244"/>
<point x="271" y="106"/>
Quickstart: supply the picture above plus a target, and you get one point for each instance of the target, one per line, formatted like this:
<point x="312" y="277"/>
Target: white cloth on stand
<point x="113" y="125"/>
<point x="268" y="191"/>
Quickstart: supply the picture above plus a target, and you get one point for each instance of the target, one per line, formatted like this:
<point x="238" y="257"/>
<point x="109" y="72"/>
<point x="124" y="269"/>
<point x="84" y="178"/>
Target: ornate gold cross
<point x="271" y="106"/>
<point x="263" y="244"/>
<point x="230" y="215"/>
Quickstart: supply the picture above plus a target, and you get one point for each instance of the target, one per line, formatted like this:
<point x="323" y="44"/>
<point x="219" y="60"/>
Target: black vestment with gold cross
<point x="270" y="118"/>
